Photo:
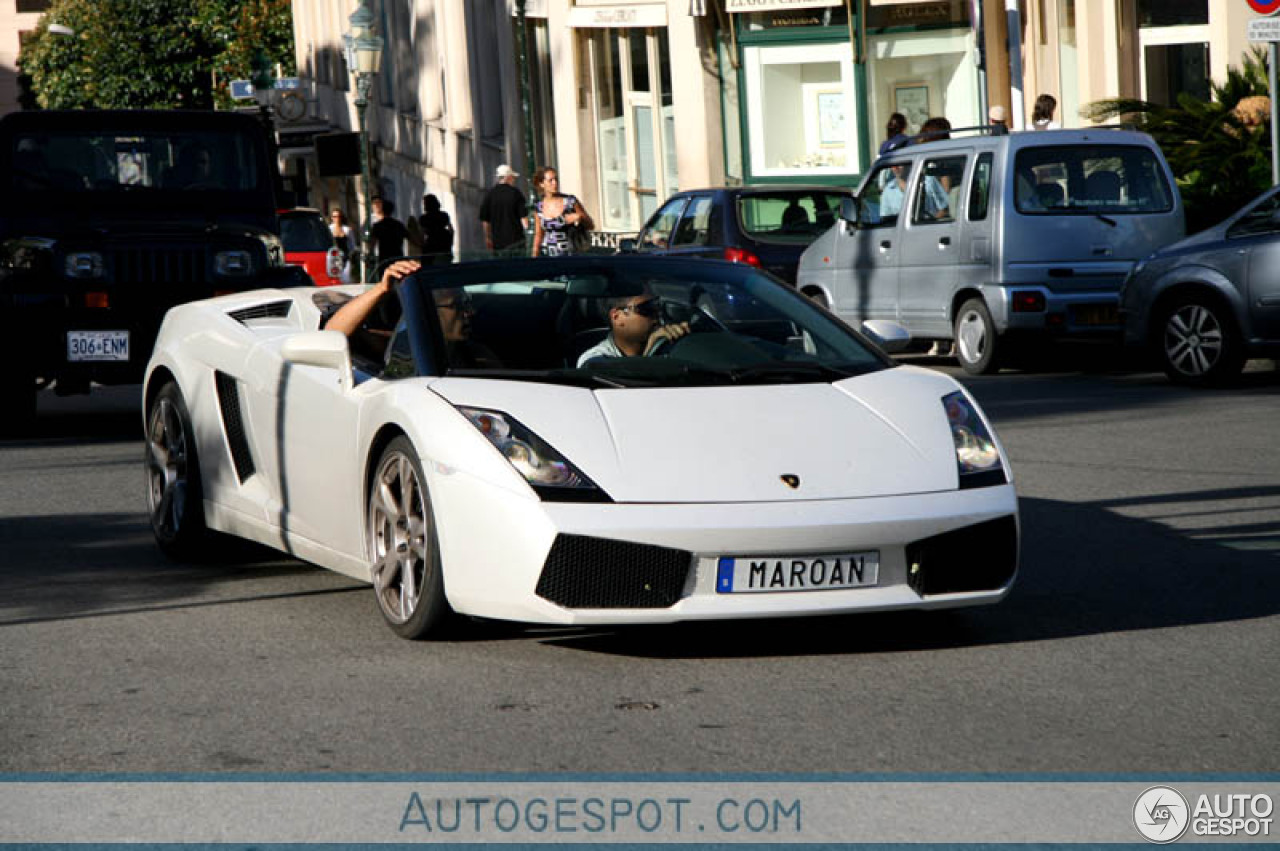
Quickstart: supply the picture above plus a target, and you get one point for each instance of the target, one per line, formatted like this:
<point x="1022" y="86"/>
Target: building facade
<point x="632" y="101"/>
<point x="17" y="19"/>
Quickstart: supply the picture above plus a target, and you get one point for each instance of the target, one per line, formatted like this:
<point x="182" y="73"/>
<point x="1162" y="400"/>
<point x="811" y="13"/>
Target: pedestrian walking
<point x="345" y="240"/>
<point x="1042" y="113"/>
<point x="436" y="231"/>
<point x="895" y="133"/>
<point x="388" y="234"/>
<point x="561" y="222"/>
<point x="504" y="214"/>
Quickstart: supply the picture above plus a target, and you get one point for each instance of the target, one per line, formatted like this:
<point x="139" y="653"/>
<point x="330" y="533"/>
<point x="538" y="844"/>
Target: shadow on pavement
<point x="1085" y="570"/>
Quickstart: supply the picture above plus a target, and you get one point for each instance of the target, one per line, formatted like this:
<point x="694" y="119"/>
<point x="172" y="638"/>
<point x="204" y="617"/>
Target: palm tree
<point x="1219" y="150"/>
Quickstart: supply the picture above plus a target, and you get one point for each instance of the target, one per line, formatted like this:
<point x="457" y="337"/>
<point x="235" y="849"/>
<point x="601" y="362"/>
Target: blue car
<point x="764" y="226"/>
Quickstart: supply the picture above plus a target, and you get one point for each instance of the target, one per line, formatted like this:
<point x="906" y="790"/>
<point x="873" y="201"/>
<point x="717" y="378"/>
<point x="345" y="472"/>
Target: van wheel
<point x="975" y="335"/>
<point x="818" y="297"/>
<point x="1198" y="344"/>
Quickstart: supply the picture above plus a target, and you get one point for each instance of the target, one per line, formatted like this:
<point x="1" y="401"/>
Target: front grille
<point x="598" y="573"/>
<point x="164" y="265"/>
<point x="229" y="402"/>
<point x="982" y="557"/>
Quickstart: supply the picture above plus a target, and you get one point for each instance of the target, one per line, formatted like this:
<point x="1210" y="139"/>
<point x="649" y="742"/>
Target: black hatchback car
<point x="764" y="226"/>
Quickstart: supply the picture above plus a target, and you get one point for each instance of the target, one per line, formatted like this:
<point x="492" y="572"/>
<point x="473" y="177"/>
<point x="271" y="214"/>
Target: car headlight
<point x="233" y="264"/>
<point x="84" y="265"/>
<point x="552" y="477"/>
<point x="976" y="454"/>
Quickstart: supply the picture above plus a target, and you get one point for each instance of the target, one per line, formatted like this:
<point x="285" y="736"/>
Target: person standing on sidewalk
<point x="504" y="214"/>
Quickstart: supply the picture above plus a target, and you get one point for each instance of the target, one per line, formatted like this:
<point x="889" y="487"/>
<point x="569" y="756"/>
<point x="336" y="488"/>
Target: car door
<point x="866" y="256"/>
<point x="304" y="426"/>
<point x="930" y="245"/>
<point x="655" y="236"/>
<point x="1261" y="289"/>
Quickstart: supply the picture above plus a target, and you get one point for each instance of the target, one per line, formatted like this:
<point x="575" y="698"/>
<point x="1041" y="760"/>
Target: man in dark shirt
<point x="387" y="232"/>
<point x="504" y="214"/>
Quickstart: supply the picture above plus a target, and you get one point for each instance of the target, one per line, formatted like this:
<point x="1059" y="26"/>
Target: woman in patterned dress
<point x="554" y="214"/>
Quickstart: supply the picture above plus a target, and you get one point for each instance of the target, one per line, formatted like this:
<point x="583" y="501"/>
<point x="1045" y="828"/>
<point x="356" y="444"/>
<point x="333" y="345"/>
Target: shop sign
<point x="914" y="14"/>
<point x="776" y="5"/>
<point x="618" y="16"/>
<point x="1264" y="29"/>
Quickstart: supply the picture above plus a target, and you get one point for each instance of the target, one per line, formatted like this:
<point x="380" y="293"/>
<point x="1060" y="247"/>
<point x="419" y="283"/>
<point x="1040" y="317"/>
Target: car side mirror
<point x="627" y="245"/>
<point x="850" y="211"/>
<point x="887" y="334"/>
<point x="328" y="349"/>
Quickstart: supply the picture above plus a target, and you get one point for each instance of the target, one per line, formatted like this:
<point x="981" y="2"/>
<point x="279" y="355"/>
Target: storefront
<point x="810" y="84"/>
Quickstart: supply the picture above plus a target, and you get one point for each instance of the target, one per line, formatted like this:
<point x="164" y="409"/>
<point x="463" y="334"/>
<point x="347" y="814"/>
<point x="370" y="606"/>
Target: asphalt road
<point x="1141" y="636"/>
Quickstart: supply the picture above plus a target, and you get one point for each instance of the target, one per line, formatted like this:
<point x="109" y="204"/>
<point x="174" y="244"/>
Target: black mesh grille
<point x="598" y="573"/>
<point x="271" y="309"/>
<point x="229" y="402"/>
<point x="982" y="557"/>
<point x="166" y="265"/>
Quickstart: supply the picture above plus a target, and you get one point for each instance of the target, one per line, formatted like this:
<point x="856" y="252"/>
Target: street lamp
<point x="364" y="58"/>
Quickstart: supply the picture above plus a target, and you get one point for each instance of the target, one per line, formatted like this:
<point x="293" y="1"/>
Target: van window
<point x="938" y="192"/>
<point x="1089" y="179"/>
<point x="980" y="189"/>
<point x="884" y="194"/>
<point x="695" y="227"/>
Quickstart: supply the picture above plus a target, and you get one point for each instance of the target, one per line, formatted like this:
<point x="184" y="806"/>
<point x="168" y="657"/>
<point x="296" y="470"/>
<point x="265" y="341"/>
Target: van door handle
<point x="885" y="245"/>
<point x="944" y="241"/>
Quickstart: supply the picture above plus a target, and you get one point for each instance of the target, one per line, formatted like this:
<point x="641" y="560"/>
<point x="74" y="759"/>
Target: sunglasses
<point x="461" y="303"/>
<point x="649" y="308"/>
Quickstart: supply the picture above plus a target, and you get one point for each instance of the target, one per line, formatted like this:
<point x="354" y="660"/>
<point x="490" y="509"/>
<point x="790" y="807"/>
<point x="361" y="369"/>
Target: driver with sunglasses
<point x="635" y="329"/>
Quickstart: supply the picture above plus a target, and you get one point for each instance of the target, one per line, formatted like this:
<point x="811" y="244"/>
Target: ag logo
<point x="1161" y="814"/>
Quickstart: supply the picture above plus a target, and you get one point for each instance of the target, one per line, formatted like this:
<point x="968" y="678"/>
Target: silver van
<point x="991" y="240"/>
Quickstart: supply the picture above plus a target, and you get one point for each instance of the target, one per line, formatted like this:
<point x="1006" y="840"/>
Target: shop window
<point x="1174" y="68"/>
<point x="800" y="110"/>
<point x="922" y="75"/>
<point x="1172" y="13"/>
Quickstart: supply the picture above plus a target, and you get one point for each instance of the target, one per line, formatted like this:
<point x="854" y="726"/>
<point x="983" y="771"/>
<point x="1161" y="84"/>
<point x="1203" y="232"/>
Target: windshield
<point x="618" y="324"/>
<point x="304" y="232"/>
<point x="1090" y="179"/>
<point x="793" y="217"/>
<point x="105" y="163"/>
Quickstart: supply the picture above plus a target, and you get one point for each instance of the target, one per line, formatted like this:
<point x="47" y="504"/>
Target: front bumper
<point x="501" y="576"/>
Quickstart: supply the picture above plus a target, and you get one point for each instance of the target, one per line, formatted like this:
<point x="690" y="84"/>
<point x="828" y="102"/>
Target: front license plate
<point x="806" y="573"/>
<point x="1096" y="314"/>
<point x="97" y="345"/>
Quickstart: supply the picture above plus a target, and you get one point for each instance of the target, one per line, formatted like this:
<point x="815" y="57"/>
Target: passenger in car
<point x="634" y="329"/>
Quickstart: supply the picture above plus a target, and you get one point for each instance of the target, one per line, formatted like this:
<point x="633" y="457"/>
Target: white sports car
<point x="584" y="440"/>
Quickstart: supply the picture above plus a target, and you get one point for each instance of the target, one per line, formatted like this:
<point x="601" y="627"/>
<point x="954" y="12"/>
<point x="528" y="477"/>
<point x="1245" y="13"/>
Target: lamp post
<point x="364" y="57"/>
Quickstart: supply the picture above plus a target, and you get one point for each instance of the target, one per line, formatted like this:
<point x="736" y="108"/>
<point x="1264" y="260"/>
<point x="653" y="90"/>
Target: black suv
<point x="111" y="218"/>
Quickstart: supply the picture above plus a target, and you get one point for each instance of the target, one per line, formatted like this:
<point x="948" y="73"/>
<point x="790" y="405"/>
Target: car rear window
<point x="1090" y="179"/>
<point x="305" y="233"/>
<point x="793" y="217"/>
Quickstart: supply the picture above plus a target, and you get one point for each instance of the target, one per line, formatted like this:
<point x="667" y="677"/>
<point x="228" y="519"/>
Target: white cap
<point x="996" y="113"/>
<point x="505" y="171"/>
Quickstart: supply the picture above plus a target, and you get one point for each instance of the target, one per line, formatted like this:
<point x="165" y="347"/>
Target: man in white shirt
<point x="634" y="329"/>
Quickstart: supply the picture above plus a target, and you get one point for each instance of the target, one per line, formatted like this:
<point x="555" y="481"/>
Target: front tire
<point x="175" y="497"/>
<point x="1197" y="342"/>
<point x="977" y="347"/>
<point x="406" y="570"/>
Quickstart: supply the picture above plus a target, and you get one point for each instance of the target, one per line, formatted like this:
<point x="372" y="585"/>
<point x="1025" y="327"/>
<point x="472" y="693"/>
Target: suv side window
<point x="885" y="194"/>
<point x="695" y="227"/>
<point x="657" y="234"/>
<point x="938" y="191"/>
<point x="980" y="189"/>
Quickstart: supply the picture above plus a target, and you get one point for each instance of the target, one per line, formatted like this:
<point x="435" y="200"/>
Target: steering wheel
<point x="700" y="322"/>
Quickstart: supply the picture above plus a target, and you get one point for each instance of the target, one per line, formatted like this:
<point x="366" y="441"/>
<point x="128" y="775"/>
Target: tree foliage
<point x="153" y="54"/>
<point x="1219" y="150"/>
